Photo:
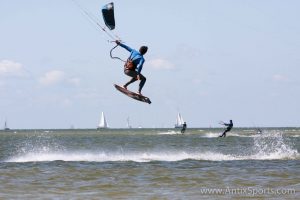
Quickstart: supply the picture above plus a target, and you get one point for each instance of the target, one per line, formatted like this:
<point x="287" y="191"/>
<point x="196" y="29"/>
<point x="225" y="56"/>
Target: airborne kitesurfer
<point x="134" y="65"/>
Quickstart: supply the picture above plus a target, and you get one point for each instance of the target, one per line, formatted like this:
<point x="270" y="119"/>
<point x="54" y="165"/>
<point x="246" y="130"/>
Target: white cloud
<point x="197" y="81"/>
<point x="280" y="78"/>
<point x="74" y="81"/>
<point x="52" y="78"/>
<point x="161" y="64"/>
<point x="11" y="68"/>
<point x="55" y="77"/>
<point x="66" y="102"/>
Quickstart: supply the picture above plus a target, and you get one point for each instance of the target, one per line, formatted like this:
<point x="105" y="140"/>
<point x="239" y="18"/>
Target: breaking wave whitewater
<point x="148" y="157"/>
<point x="272" y="146"/>
<point x="279" y="154"/>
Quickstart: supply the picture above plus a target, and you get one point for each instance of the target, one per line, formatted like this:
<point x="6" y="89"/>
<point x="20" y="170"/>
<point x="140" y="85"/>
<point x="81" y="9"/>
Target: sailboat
<point x="103" y="123"/>
<point x="6" y="127"/>
<point x="179" y="121"/>
<point x="128" y="124"/>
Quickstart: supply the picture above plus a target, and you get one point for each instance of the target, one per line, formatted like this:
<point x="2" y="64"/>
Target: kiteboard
<point x="133" y="95"/>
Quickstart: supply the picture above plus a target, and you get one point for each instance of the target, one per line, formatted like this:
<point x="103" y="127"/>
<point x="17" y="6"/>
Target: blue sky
<point x="210" y="60"/>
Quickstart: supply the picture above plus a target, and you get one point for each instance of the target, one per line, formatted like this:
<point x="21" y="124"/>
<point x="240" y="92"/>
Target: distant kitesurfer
<point x="134" y="65"/>
<point x="229" y="127"/>
<point x="183" y="127"/>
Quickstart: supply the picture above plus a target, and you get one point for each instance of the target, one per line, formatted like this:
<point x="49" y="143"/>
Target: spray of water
<point x="268" y="146"/>
<point x="273" y="145"/>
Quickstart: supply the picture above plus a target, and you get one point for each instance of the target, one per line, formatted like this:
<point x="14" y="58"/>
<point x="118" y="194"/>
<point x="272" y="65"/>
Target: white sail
<point x="128" y="124"/>
<point x="179" y="121"/>
<point x="5" y="126"/>
<point x="103" y="122"/>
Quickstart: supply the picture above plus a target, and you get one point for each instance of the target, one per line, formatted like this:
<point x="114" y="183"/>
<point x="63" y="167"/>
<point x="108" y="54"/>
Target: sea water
<point x="150" y="164"/>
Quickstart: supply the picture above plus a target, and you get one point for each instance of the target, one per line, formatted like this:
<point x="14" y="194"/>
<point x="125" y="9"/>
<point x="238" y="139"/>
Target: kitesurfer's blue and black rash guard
<point x="136" y="57"/>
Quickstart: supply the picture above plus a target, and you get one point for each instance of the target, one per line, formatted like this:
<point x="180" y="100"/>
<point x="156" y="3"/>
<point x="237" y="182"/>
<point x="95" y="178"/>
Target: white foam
<point x="169" y="133"/>
<point x="210" y="135"/>
<point x="150" y="156"/>
<point x="295" y="136"/>
<point x="272" y="145"/>
<point x="230" y="134"/>
<point x="268" y="146"/>
<point x="243" y="135"/>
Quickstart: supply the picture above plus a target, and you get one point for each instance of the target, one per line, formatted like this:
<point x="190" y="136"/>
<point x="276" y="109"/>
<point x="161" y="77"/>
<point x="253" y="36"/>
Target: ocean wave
<point x="210" y="135"/>
<point x="170" y="133"/>
<point x="150" y="156"/>
<point x="268" y="146"/>
<point x="250" y="134"/>
<point x="215" y="135"/>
